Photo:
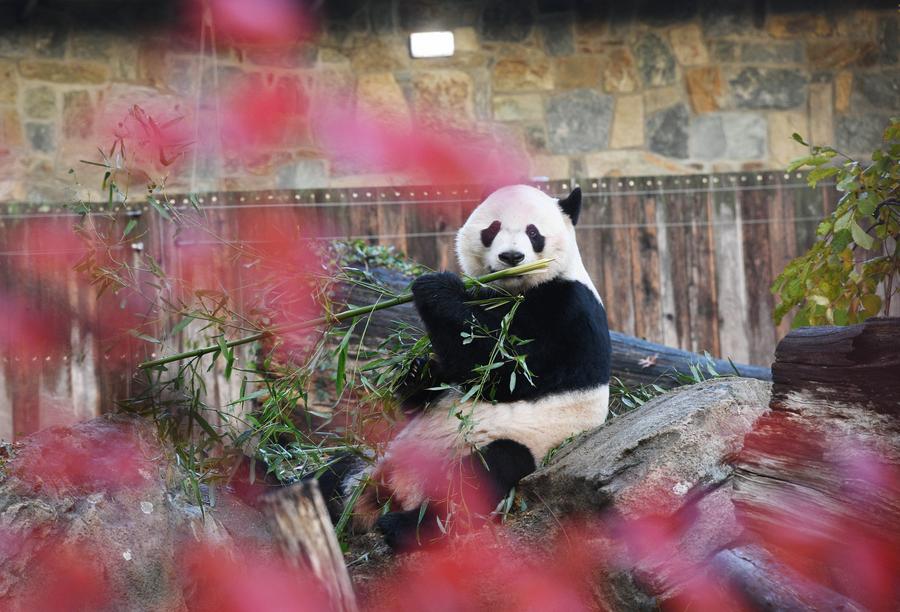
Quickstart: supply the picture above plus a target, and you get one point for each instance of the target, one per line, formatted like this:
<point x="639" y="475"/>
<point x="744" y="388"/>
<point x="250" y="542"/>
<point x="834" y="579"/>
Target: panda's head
<point x="517" y="225"/>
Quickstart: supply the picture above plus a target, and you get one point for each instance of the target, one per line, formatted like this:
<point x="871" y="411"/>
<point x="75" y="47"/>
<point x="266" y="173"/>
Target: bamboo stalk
<point x="342" y="316"/>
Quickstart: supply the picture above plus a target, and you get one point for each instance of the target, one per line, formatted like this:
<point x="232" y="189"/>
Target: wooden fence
<point x="686" y="261"/>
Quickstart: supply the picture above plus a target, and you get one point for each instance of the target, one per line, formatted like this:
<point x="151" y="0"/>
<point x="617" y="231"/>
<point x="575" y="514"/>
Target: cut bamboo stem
<point x="341" y="316"/>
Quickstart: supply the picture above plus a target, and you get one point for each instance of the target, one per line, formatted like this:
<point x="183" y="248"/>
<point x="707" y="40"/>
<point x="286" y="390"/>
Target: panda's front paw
<point x="437" y="287"/>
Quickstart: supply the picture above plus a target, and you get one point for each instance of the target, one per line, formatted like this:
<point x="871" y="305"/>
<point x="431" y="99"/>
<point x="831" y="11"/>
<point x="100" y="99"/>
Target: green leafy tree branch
<point x="852" y="271"/>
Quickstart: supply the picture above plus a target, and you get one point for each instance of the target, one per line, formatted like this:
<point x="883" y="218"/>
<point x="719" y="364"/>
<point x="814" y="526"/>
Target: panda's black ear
<point x="571" y="205"/>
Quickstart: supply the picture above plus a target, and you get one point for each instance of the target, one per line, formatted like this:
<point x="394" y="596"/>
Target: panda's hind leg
<point x="484" y="479"/>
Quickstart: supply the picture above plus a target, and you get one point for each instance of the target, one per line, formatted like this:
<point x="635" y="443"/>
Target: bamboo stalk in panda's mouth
<point x="351" y="313"/>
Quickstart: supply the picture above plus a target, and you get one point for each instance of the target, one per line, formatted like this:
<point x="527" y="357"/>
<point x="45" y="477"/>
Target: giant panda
<point x="568" y="351"/>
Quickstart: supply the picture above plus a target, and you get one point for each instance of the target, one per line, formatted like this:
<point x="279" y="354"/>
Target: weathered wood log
<point x="857" y="364"/>
<point x="634" y="361"/>
<point x="824" y="462"/>
<point x="769" y="585"/>
<point x="306" y="537"/>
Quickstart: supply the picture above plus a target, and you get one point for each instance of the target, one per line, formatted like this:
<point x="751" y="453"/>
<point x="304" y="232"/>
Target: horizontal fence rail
<point x="685" y="261"/>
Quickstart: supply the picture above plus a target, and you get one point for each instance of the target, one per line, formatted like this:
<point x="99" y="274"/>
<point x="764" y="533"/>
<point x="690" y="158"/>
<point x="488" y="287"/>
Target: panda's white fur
<point x="539" y="424"/>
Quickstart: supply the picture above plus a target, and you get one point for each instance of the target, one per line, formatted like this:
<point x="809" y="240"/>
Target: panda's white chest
<point x="539" y="425"/>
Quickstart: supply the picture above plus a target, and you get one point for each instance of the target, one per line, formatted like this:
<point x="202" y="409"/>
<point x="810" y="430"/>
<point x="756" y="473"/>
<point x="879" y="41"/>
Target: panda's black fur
<point x="568" y="354"/>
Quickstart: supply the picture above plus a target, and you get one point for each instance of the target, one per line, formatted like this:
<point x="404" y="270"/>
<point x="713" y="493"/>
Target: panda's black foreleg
<point x="484" y="479"/>
<point x="445" y="306"/>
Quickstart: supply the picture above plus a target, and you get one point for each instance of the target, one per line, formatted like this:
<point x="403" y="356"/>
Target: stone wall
<point x="585" y="88"/>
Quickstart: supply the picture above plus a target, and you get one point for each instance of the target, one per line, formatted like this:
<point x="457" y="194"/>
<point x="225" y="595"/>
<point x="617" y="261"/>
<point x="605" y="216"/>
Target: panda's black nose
<point x="511" y="257"/>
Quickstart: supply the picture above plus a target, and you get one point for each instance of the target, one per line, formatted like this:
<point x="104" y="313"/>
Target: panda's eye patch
<point x="489" y="233"/>
<point x="537" y="240"/>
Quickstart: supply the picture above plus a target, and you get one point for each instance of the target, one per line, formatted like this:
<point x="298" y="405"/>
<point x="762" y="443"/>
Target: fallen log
<point x="634" y="361"/>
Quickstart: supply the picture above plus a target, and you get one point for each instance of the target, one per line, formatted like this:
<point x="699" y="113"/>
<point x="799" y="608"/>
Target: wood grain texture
<point x="306" y="538"/>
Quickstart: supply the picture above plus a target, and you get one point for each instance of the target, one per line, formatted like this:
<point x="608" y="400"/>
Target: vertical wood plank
<point x="668" y="327"/>
<point x="641" y="208"/>
<point x="617" y="261"/>
<point x="678" y="239"/>
<point x="730" y="272"/>
<point x="706" y="321"/>
<point x="755" y="206"/>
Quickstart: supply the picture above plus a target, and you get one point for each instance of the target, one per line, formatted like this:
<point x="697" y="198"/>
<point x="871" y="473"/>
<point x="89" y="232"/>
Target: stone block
<point x="655" y="61"/>
<point x="620" y="71"/>
<point x="821" y="114"/>
<point x="664" y="97"/>
<point x="797" y="25"/>
<point x="10" y="128"/>
<point x="667" y="131"/>
<point x="552" y="167"/>
<point x="523" y="73"/>
<point x="772" y="88"/>
<point x="38" y="40"/>
<point x="688" y="45"/>
<point x="78" y="114"/>
<point x="379" y="95"/>
<point x="557" y="34"/>
<point x="874" y="91"/>
<point x="578" y="71"/>
<point x="843" y="86"/>
<point x="628" y="123"/>
<point x="707" y="137"/>
<point x="39" y="102"/>
<point x="889" y="39"/>
<point x="723" y="50"/>
<point x="783" y="148"/>
<point x="578" y="121"/>
<point x="443" y="97"/>
<point x="465" y="40"/>
<point x="9" y="85"/>
<point x="732" y="136"/>
<point x="518" y="107"/>
<point x="705" y="88"/>
<point x="860" y="135"/>
<point x="93" y="45"/>
<point x="535" y="137"/>
<point x="63" y="72"/>
<point x="40" y="137"/>
<point x="836" y="54"/>
<point x="379" y="54"/>
<point x="772" y="52"/>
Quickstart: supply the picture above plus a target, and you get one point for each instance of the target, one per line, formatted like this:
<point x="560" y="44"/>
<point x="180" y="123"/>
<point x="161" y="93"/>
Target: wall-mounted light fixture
<point x="431" y="44"/>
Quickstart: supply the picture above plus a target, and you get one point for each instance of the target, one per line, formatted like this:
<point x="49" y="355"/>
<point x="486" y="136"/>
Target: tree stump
<point x="306" y="538"/>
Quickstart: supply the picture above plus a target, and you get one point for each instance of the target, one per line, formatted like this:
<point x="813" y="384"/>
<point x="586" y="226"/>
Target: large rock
<point x="674" y="443"/>
<point x="91" y="515"/>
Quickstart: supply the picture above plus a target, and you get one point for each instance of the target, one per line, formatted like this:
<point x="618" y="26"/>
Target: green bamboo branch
<point x="342" y="316"/>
